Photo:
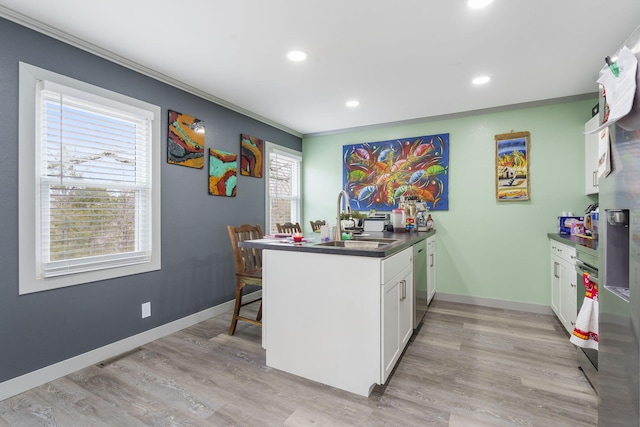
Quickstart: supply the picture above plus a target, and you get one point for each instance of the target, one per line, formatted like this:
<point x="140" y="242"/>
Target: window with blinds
<point x="283" y="180"/>
<point x="94" y="181"/>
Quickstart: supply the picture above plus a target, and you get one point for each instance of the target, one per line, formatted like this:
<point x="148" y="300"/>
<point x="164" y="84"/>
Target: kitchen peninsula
<point x="339" y="315"/>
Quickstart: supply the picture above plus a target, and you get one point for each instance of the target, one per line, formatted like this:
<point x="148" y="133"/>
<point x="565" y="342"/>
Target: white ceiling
<point x="403" y="60"/>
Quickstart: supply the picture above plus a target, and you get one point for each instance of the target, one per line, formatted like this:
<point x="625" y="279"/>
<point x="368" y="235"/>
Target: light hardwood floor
<point x="467" y="366"/>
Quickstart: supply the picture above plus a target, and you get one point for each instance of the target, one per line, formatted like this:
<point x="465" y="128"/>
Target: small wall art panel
<point x="376" y="174"/>
<point x="251" y="163"/>
<point x="185" y="145"/>
<point x="223" y="167"/>
<point x="512" y="167"/>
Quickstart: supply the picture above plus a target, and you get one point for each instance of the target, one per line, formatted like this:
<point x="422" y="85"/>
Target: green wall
<point x="485" y="249"/>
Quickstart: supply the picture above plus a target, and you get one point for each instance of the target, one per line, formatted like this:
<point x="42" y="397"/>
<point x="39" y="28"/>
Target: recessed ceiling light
<point x="296" y="56"/>
<point x="478" y="4"/>
<point x="481" y="80"/>
<point x="352" y="103"/>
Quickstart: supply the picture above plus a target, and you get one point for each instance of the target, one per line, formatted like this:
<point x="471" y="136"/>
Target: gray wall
<point x="40" y="329"/>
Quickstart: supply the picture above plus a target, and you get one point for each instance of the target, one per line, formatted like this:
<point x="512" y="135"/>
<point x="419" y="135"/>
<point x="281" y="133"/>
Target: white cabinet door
<point x="591" y="157"/>
<point x="431" y="267"/>
<point x="390" y="326"/>
<point x="555" y="280"/>
<point x="563" y="270"/>
<point x="396" y="309"/>
<point x="568" y="291"/>
<point x="563" y="284"/>
<point x="406" y="308"/>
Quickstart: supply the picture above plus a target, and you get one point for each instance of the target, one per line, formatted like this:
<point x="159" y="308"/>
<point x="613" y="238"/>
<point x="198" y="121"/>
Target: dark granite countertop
<point x="574" y="240"/>
<point x="403" y="241"/>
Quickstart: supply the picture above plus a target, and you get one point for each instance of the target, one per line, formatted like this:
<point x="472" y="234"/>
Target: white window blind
<point x="93" y="182"/>
<point x="284" y="200"/>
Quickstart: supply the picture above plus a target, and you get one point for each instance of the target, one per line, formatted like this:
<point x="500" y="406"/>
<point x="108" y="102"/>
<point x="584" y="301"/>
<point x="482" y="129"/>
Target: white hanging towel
<point x="585" y="333"/>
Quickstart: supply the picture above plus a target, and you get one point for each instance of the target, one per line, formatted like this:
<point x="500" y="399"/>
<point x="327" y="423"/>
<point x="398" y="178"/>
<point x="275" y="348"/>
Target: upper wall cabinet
<point x="591" y="157"/>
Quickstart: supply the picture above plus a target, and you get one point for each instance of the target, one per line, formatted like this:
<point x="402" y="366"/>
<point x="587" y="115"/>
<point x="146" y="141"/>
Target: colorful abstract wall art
<point x="223" y="168"/>
<point x="251" y="156"/>
<point x="376" y="174"/>
<point x="512" y="167"/>
<point x="185" y="145"/>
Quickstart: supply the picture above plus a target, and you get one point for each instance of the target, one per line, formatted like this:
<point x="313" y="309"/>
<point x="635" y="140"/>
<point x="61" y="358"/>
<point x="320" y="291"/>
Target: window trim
<point x="271" y="148"/>
<point x="27" y="200"/>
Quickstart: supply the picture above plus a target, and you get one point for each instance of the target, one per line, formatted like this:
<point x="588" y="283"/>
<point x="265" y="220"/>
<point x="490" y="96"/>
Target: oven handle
<point x="581" y="268"/>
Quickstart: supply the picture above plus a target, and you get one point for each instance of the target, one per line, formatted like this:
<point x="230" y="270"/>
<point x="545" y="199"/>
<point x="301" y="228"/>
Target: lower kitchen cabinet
<point x="397" y="318"/>
<point x="337" y="319"/>
<point x="564" y="284"/>
<point x="431" y="268"/>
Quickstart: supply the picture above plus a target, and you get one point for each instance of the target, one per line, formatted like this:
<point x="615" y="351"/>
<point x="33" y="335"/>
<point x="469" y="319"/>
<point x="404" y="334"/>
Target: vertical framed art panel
<point x="223" y="167"/>
<point x="251" y="161"/>
<point x="512" y="167"/>
<point x="185" y="145"/>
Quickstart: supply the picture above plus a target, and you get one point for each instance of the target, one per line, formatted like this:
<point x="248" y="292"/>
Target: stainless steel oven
<point x="587" y="261"/>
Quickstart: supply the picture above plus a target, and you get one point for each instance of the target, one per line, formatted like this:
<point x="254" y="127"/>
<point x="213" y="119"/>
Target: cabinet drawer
<point x="431" y="242"/>
<point x="395" y="264"/>
<point x="566" y="252"/>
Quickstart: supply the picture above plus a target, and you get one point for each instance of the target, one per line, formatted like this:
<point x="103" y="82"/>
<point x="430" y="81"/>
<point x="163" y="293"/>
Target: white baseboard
<point x="495" y="303"/>
<point x="41" y="376"/>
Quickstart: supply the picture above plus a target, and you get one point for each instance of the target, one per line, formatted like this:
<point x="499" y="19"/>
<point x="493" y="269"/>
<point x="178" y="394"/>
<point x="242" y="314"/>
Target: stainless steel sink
<point x="380" y="240"/>
<point x="359" y="243"/>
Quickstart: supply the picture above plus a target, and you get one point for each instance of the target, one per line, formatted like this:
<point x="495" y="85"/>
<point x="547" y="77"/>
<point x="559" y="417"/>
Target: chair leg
<point x="236" y="310"/>
<point x="259" y="316"/>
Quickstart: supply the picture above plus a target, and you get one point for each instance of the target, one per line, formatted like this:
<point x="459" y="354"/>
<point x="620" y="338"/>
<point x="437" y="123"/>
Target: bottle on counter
<point x="409" y="224"/>
<point x="430" y="224"/>
<point x="409" y="214"/>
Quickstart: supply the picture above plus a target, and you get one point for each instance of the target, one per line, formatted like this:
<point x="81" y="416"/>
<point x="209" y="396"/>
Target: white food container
<point x="374" y="224"/>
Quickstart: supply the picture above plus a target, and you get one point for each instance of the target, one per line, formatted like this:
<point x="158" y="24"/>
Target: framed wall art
<point x="512" y="167"/>
<point x="251" y="150"/>
<point x="377" y="174"/>
<point x="223" y="167"/>
<point x="185" y="145"/>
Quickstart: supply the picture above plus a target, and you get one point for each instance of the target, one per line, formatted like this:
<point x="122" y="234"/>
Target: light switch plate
<point x="146" y="309"/>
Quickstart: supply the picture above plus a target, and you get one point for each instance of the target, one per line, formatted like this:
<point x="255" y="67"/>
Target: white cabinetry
<point x="563" y="284"/>
<point x="591" y="157"/>
<point x="397" y="309"/>
<point x="556" y="263"/>
<point x="337" y="319"/>
<point x="431" y="268"/>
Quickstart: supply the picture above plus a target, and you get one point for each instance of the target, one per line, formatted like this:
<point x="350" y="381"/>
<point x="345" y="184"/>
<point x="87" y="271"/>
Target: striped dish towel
<point x="585" y="334"/>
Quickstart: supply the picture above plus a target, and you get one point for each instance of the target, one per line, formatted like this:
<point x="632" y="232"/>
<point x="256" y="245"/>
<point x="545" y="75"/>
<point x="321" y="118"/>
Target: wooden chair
<point x="289" y="227"/>
<point x="315" y="225"/>
<point x="248" y="270"/>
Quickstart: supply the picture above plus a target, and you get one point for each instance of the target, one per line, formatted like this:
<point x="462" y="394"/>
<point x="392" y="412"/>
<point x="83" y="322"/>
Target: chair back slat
<point x="246" y="259"/>
<point x="315" y="225"/>
<point x="289" y="227"/>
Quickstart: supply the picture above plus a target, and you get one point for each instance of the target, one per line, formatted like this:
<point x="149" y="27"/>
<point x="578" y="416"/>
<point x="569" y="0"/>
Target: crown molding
<point x="62" y="36"/>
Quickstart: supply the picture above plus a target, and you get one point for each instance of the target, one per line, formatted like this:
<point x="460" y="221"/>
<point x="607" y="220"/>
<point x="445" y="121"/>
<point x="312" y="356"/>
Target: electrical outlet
<point x="146" y="309"/>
